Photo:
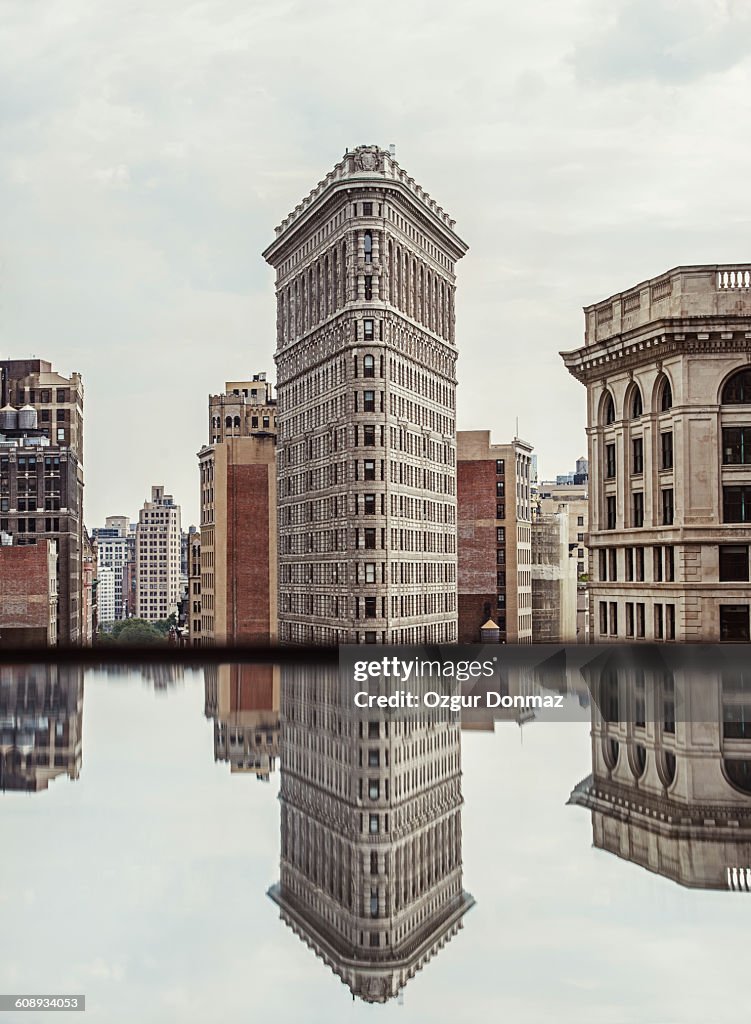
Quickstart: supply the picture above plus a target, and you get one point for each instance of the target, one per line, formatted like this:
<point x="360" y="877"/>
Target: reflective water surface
<point x="242" y="841"/>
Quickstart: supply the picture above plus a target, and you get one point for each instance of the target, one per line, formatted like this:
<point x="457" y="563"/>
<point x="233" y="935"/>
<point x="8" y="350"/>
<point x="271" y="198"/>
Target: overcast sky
<point x="148" y="151"/>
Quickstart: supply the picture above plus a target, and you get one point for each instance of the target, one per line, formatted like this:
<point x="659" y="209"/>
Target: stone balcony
<point x="701" y="291"/>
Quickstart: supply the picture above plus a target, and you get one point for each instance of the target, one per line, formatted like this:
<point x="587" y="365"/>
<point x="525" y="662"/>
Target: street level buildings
<point x="238" y="546"/>
<point x="158" y="557"/>
<point x="28" y="594"/>
<point x="41" y="474"/>
<point x="494" y="537"/>
<point x="366" y="367"/>
<point x="666" y="367"/>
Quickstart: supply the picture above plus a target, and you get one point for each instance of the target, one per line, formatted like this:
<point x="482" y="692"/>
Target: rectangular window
<point x="629" y="618"/>
<point x="629" y="552"/>
<point x="603" y="563"/>
<point x="610" y="461"/>
<point x="370" y="572"/>
<point x="603" y="618"/>
<point x="500" y="489"/>
<point x="610" y="512"/>
<point x="734" y="563"/>
<point x="666" y="450"/>
<point x="580" y="520"/>
<point x="500" y="511"/>
<point x="369" y="435"/>
<point x="659" y="626"/>
<point x="637" y="517"/>
<point x="369" y="469"/>
<point x="670" y="622"/>
<point x="370" y="538"/>
<point x="370" y="607"/>
<point x="639" y="564"/>
<point x="369" y="504"/>
<point x="500" y="534"/>
<point x="640" y="619"/>
<point x="368" y="287"/>
<point x="658" y="565"/>
<point x="373" y="824"/>
<point x="670" y="564"/>
<point x="367" y="209"/>
<point x="667" y="506"/>
<point x="367" y="332"/>
<point x="736" y="504"/>
<point x="734" y="622"/>
<point x="613" y="559"/>
<point x="736" y="446"/>
<point x="613" y="618"/>
<point x="500" y="466"/>
<point x="368" y="401"/>
<point x="637" y="456"/>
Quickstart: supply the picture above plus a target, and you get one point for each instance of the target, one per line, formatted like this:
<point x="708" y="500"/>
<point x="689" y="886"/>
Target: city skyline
<point x="143" y="189"/>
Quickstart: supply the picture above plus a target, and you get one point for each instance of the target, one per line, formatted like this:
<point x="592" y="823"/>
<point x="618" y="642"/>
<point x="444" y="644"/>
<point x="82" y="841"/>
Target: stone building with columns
<point x="667" y="367"/>
<point x="366" y="357"/>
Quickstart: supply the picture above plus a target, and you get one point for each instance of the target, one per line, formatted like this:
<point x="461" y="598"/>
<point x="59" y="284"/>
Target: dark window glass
<point x="370" y="607"/>
<point x="640" y="619"/>
<point x="370" y="537"/>
<point x="368" y="401"/>
<point x="369" y="503"/>
<point x="638" y="509"/>
<point x="637" y="406"/>
<point x="500" y="488"/>
<point x="368" y="362"/>
<point x="736" y="504"/>
<point x="610" y="461"/>
<point x="666" y="450"/>
<point x="609" y="410"/>
<point x="367" y="330"/>
<point x="500" y="511"/>
<point x="369" y="472"/>
<point x="734" y="563"/>
<point x="367" y="209"/>
<point x="639" y="564"/>
<point x="368" y="247"/>
<point x="603" y="564"/>
<point x="369" y="435"/>
<point x="667" y="506"/>
<point x="629" y="618"/>
<point x="610" y="512"/>
<point x="734" y="622"/>
<point x="736" y="446"/>
<point x="637" y="453"/>
<point x="603" y="618"/>
<point x="737" y="390"/>
<point x="666" y="396"/>
<point x="629" y="552"/>
<point x="500" y="466"/>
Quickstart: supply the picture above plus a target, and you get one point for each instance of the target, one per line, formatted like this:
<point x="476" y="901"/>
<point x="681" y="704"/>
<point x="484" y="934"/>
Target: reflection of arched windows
<point x="609" y="702"/>
<point x="738" y="773"/>
<point x="664" y="395"/>
<point x="638" y="760"/>
<point x="610" y="750"/>
<point x="666" y="768"/>
<point x="637" y="405"/>
<point x="737" y="389"/>
<point x="608" y="409"/>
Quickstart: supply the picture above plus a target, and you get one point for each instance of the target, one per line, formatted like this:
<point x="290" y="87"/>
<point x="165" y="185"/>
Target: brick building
<point x="238" y="548"/>
<point x="494" y="537"/>
<point x="28" y="594"/>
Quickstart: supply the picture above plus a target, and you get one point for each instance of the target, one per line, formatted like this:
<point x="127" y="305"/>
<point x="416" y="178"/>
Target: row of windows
<point x="634" y="403"/>
<point x="332" y="573"/>
<point x="663" y="562"/>
<point x="667" y="509"/>
<point x="635" y="625"/>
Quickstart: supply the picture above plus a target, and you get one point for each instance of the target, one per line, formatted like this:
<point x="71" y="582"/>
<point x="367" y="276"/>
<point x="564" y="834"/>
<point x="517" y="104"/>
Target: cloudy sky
<point x="148" y="150"/>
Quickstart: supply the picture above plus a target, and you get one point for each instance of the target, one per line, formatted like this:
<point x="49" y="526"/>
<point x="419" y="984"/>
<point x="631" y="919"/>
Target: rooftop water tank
<point x="8" y="418"/>
<point x="27" y="418"/>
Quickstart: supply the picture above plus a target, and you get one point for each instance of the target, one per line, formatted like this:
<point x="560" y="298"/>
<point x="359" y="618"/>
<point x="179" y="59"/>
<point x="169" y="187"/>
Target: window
<point x="610" y="512"/>
<point x="500" y="489"/>
<point x="669" y="564"/>
<point x="637" y="406"/>
<point x="500" y="466"/>
<point x="580" y="520"/>
<point x="629" y="618"/>
<point x="658" y="565"/>
<point x="666" y="396"/>
<point x="670" y="622"/>
<point x="369" y="504"/>
<point x="737" y="390"/>
<point x="659" y="623"/>
<point x="736" y="446"/>
<point x="374" y="756"/>
<point x="609" y="410"/>
<point x="500" y="511"/>
<point x="369" y="295"/>
<point x="500" y="534"/>
<point x="367" y="209"/>
<point x="370" y="538"/>
<point x="640" y="619"/>
<point x="369" y="470"/>
<point x="734" y="622"/>
<point x="639" y="564"/>
<point x="610" y="461"/>
<point x="629" y="553"/>
<point x="666" y="450"/>
<point x="368" y="362"/>
<point x="580" y="537"/>
<point x="603" y="564"/>
<point x="603" y="618"/>
<point x="367" y="333"/>
<point x="637" y="455"/>
<point x="368" y="246"/>
<point x="736" y="504"/>
<point x="370" y="572"/>
<point x="370" y="607"/>
<point x="637" y="515"/>
<point x="369" y="435"/>
<point x="373" y="824"/>
<point x="613" y="618"/>
<point x="368" y="401"/>
<point x="613" y="559"/>
<point x="734" y="563"/>
<point x="667" y="506"/>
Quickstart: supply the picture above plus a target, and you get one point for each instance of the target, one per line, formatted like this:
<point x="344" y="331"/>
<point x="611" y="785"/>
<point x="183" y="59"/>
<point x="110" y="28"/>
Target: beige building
<point x="554" y="580"/>
<point x="158" y="557"/>
<point x="572" y="500"/>
<point x="494" y="537"/>
<point x="665" y="365"/>
<point x="670" y="788"/>
<point x="243" y="702"/>
<point x="371" y="832"/>
<point x="366" y="361"/>
<point x="238" y="549"/>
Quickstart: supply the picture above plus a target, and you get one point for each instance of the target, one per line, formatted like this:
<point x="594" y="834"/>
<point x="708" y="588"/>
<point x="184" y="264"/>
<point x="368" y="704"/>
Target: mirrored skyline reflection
<point x="243" y="703"/>
<point x="41" y="713"/>
<point x="371" y="832"/>
<point x="670" y="788"/>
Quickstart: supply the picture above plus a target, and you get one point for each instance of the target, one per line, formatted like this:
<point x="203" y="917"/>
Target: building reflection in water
<point x="243" y="701"/>
<point x="371" y="841"/>
<point x="41" y="710"/>
<point x="670" y="787"/>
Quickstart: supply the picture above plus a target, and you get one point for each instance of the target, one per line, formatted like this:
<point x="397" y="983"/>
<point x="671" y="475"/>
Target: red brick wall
<point x="476" y="544"/>
<point x="252" y="688"/>
<point x="24" y="587"/>
<point x="248" y="554"/>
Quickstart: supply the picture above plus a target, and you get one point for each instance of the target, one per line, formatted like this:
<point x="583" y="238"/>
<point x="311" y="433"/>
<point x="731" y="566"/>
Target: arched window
<point x="610" y="751"/>
<point x="638" y="760"/>
<point x="228" y="422"/>
<point x="608" y="409"/>
<point x="739" y="774"/>
<point x="737" y="389"/>
<point x="237" y="421"/>
<point x="666" y="768"/>
<point x="637" y="405"/>
<point x="664" y="395"/>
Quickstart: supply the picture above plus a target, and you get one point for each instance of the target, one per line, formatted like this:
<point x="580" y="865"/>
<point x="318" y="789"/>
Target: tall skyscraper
<point x="158" y="557"/>
<point x="494" y="537"/>
<point x="41" y="474"/>
<point x="666" y="368"/>
<point x="238" y="550"/>
<point x="366" y="357"/>
<point x="371" y="832"/>
<point x="116" y="548"/>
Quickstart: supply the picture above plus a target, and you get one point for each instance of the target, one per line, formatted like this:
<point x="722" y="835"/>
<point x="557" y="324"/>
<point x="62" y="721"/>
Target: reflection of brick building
<point x="243" y="700"/>
<point x="28" y="594"/>
<point x="41" y="709"/>
<point x="238" y="586"/>
<point x="493" y="536"/>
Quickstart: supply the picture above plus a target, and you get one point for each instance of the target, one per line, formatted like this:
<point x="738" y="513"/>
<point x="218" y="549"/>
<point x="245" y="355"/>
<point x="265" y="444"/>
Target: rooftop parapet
<point x="700" y="291"/>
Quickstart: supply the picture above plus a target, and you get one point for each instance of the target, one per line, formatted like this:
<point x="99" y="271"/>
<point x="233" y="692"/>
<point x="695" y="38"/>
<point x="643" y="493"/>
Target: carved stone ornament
<point x="367" y="159"/>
